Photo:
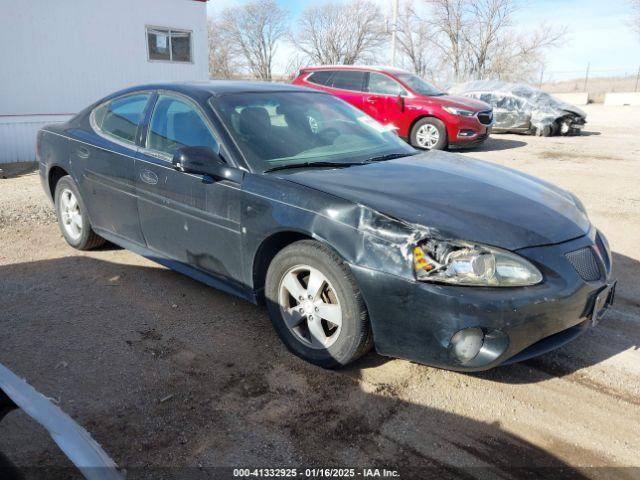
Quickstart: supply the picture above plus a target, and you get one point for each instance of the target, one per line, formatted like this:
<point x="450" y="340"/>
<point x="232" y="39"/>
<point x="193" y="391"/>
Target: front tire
<point x="72" y="216"/>
<point x="316" y="306"/>
<point x="430" y="134"/>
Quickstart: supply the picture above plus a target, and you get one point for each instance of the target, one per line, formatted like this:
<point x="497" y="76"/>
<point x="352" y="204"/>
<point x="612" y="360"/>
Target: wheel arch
<point x="272" y="245"/>
<point x="56" y="172"/>
<point x="266" y="252"/>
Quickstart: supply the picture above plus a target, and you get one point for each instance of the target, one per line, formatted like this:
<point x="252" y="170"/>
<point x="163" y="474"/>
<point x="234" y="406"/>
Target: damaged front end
<point x="83" y="451"/>
<point x="520" y="108"/>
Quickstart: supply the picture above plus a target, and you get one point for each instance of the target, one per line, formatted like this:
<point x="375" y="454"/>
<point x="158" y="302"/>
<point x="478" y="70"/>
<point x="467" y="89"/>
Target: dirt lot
<point x="167" y="372"/>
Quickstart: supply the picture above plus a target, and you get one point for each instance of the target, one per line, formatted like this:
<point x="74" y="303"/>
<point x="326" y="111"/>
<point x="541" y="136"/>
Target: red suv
<point x="422" y="115"/>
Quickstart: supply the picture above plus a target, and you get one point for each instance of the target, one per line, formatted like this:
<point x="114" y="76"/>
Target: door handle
<point x="82" y="152"/>
<point x="372" y="100"/>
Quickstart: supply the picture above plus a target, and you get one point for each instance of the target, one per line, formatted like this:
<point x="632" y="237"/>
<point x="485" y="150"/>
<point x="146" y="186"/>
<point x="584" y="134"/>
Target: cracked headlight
<point x="462" y="263"/>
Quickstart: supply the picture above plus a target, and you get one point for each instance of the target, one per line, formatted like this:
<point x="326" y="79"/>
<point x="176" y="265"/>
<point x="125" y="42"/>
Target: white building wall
<point x="59" y="56"/>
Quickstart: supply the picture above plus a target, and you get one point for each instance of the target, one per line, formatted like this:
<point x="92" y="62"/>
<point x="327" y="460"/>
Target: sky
<point x="599" y="34"/>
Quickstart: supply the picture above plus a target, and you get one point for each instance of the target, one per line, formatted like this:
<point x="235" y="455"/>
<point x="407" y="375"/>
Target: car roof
<point x="205" y="89"/>
<point x="367" y="68"/>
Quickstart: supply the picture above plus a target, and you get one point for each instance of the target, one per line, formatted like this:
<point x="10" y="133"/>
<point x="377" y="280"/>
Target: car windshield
<point x="418" y="85"/>
<point x="275" y="130"/>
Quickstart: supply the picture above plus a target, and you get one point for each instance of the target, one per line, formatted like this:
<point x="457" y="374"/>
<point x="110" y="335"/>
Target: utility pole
<point x="637" y="79"/>
<point x="586" y="77"/>
<point x="394" y="28"/>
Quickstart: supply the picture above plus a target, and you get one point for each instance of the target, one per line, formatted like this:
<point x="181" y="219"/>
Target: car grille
<point x="585" y="263"/>
<point x="485" y="118"/>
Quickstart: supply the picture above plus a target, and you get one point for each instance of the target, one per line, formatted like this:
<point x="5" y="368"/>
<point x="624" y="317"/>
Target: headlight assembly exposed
<point x="459" y="111"/>
<point x="462" y="263"/>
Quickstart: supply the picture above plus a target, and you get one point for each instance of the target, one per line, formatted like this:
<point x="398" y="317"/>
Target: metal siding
<point x="69" y="53"/>
<point x="18" y="136"/>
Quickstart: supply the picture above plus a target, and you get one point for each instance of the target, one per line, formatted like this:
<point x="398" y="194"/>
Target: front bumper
<point x="416" y="320"/>
<point x="466" y="132"/>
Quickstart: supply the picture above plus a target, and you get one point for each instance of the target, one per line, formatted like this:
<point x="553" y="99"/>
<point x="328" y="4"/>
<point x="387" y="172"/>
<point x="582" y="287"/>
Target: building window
<point x="168" y="44"/>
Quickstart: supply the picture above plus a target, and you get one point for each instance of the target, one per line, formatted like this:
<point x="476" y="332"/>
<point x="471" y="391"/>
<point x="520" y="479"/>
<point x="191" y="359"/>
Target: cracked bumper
<point x="416" y="320"/>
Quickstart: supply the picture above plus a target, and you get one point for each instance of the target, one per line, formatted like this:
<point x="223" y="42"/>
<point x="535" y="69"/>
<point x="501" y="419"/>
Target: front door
<point x="190" y="218"/>
<point x="382" y="100"/>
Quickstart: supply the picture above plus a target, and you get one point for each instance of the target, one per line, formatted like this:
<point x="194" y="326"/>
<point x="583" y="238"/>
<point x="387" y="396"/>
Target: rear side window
<point x="348" y="80"/>
<point x="176" y="123"/>
<point x="321" y="78"/>
<point x="120" y="117"/>
<point x="384" y="85"/>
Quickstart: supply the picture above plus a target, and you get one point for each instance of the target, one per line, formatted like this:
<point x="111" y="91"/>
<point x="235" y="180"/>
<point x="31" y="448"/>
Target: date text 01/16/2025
<point x="315" y="473"/>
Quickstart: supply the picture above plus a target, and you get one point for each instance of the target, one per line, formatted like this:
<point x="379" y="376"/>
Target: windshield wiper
<point x="390" y="156"/>
<point x="313" y="164"/>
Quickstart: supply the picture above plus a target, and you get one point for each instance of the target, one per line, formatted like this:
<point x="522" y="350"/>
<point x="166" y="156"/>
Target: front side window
<point x="169" y="44"/>
<point x="278" y="129"/>
<point x="419" y="85"/>
<point x="176" y="123"/>
<point x="120" y="117"/>
<point x="348" y="80"/>
<point x="384" y="85"/>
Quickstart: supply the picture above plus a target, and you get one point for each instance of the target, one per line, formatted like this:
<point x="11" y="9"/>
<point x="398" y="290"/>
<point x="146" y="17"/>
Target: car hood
<point x="575" y="110"/>
<point x="461" y="198"/>
<point x="459" y="102"/>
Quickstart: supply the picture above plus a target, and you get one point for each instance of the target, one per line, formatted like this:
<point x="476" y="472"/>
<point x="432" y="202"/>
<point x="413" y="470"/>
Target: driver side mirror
<point x="204" y="161"/>
<point x="400" y="100"/>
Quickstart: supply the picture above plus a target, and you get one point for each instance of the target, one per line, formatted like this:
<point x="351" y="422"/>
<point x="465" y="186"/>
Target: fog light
<point x="466" y="133"/>
<point x="466" y="344"/>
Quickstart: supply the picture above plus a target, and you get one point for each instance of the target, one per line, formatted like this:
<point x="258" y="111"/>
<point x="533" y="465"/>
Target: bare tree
<point x="253" y="31"/>
<point x="478" y="39"/>
<point x="223" y="62"/>
<point x="337" y="33"/>
<point x="448" y="18"/>
<point x="415" y="40"/>
<point x="296" y="63"/>
<point x="494" y="49"/>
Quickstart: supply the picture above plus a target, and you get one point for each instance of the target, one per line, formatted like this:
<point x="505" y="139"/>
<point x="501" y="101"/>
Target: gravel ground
<point x="166" y="372"/>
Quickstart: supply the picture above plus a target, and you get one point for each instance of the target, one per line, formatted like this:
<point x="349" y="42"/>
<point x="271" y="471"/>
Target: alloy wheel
<point x="70" y="214"/>
<point x="310" y="307"/>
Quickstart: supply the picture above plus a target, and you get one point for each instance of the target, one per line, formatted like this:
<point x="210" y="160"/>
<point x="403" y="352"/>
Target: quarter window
<point x="169" y="44"/>
<point x="348" y="80"/>
<point x="120" y="117"/>
<point x="175" y="124"/>
<point x="321" y="78"/>
<point x="384" y="85"/>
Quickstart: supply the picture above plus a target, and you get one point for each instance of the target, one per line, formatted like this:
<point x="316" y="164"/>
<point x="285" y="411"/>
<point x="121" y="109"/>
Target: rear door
<point x="345" y="84"/>
<point x="349" y="86"/>
<point x="190" y="218"/>
<point x="106" y="157"/>
<point x="381" y="100"/>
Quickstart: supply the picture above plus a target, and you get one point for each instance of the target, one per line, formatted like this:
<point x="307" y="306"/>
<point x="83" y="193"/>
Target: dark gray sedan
<point x="291" y="197"/>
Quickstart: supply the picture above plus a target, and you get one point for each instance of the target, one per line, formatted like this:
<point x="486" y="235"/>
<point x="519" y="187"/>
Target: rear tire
<point x="72" y="216"/>
<point x="429" y="134"/>
<point x="306" y="285"/>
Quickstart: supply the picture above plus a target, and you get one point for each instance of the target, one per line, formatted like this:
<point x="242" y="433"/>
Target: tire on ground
<point x="355" y="337"/>
<point x="442" y="143"/>
<point x="88" y="239"/>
